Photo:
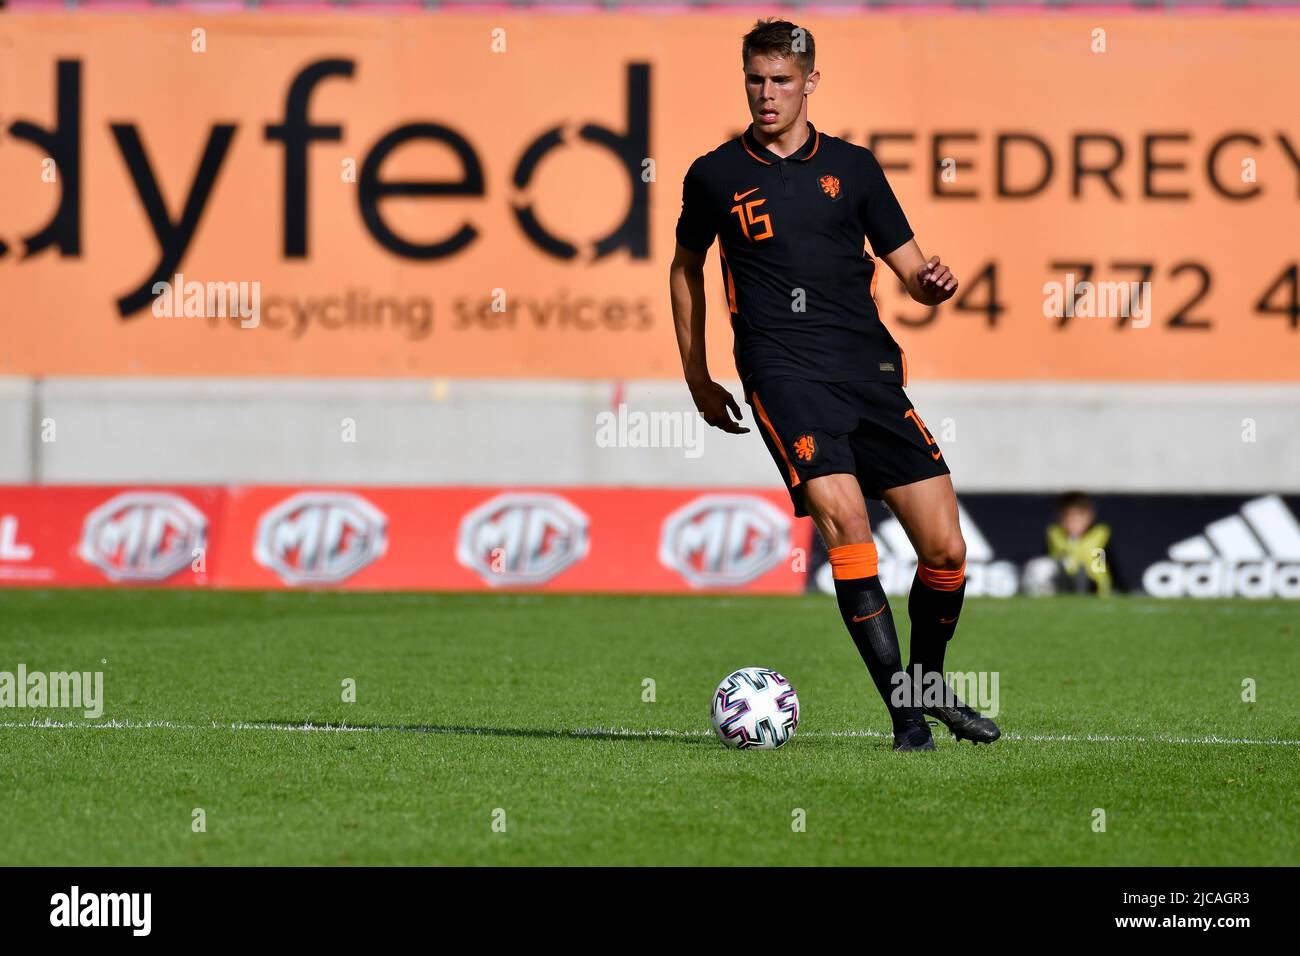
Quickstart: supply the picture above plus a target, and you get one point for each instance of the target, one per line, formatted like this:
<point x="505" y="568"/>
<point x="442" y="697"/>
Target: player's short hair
<point x="773" y="37"/>
<point x="1074" y="499"/>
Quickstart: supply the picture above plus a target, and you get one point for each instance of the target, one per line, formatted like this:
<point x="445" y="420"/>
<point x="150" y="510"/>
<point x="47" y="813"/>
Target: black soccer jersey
<point x="799" y="283"/>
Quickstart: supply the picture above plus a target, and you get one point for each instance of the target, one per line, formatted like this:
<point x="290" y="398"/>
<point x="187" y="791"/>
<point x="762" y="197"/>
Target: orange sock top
<point x="850" y="561"/>
<point x="941" y="580"/>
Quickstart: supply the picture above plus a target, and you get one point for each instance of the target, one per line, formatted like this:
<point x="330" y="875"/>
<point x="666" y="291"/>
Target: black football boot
<point x="913" y="735"/>
<point x="965" y="723"/>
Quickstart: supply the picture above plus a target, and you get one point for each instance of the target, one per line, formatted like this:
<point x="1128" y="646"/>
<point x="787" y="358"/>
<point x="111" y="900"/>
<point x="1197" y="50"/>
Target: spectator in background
<point x="1077" y="545"/>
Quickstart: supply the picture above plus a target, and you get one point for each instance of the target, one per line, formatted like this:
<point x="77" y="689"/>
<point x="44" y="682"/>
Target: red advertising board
<point x="570" y="539"/>
<point x="102" y="535"/>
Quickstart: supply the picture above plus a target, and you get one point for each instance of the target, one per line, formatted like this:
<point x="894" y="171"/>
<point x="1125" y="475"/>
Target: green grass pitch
<point x="532" y="705"/>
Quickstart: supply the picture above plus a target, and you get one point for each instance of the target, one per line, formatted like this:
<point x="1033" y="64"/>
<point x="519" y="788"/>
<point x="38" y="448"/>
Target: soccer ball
<point x="755" y="708"/>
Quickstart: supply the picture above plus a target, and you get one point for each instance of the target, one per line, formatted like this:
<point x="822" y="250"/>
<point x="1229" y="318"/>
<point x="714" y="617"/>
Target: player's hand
<point x="716" y="405"/>
<point x="937" y="281"/>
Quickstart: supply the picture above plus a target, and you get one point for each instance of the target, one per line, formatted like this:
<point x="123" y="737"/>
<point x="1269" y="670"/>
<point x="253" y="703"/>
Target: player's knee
<point x="947" y="555"/>
<point x="845" y="530"/>
<point x="842" y="526"/>
<point x="855" y="529"/>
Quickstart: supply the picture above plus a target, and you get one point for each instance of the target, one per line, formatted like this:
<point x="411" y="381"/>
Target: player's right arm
<point x="696" y="229"/>
<point x="686" y="286"/>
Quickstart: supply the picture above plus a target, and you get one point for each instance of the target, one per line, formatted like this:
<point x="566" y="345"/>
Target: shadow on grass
<point x="531" y="733"/>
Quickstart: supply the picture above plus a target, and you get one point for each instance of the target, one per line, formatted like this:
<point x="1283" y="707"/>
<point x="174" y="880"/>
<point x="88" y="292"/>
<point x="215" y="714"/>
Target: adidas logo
<point x="985" y="577"/>
<point x="1254" y="554"/>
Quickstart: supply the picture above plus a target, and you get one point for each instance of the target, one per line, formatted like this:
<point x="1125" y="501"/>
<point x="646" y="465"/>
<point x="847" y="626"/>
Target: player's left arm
<point x="886" y="227"/>
<point x="928" y="282"/>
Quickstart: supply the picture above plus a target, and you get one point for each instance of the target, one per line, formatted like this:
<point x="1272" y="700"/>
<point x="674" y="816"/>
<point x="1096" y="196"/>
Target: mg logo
<point x="522" y="538"/>
<point x="320" y="537"/>
<point x="724" y="540"/>
<point x="142" y="536"/>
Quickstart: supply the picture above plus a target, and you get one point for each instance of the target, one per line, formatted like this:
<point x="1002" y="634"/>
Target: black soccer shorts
<point x="866" y="429"/>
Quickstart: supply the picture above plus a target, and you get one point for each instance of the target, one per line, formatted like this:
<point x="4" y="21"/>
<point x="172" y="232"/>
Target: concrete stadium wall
<point x="1006" y="437"/>
<point x="17" y="396"/>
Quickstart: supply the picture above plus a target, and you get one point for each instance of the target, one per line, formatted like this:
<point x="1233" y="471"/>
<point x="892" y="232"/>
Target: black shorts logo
<point x="804" y="448"/>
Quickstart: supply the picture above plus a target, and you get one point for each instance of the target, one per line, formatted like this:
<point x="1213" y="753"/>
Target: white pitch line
<point x="1048" y="738"/>
<point x="1092" y="738"/>
<point x="595" y="732"/>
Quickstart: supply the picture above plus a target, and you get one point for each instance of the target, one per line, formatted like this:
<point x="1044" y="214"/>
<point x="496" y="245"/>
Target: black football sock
<point x="866" y="614"/>
<point x="934" y="606"/>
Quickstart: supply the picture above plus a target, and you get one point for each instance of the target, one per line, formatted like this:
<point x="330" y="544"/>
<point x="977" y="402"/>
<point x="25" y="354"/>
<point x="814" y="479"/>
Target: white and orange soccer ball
<point x="755" y="708"/>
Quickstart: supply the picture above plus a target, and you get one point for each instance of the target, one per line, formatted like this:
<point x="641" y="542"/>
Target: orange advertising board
<point x="496" y="195"/>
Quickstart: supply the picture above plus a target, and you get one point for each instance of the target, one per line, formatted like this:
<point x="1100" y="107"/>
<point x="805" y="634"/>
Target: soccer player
<point x="790" y="207"/>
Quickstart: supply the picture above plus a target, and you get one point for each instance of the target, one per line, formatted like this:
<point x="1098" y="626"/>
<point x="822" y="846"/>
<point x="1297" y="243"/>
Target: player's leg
<point x="927" y="510"/>
<point x="804" y="426"/>
<point x="838" y="509"/>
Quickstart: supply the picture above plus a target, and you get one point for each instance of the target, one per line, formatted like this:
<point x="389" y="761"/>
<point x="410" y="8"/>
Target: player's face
<point x="1075" y="521"/>
<point x="775" y="87"/>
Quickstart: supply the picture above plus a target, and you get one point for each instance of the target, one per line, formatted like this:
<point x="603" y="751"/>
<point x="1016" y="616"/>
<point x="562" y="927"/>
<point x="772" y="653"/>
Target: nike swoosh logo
<point x="946" y="620"/>
<point x="737" y="197"/>
<point x="859" y="620"/>
<point x="935" y="455"/>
